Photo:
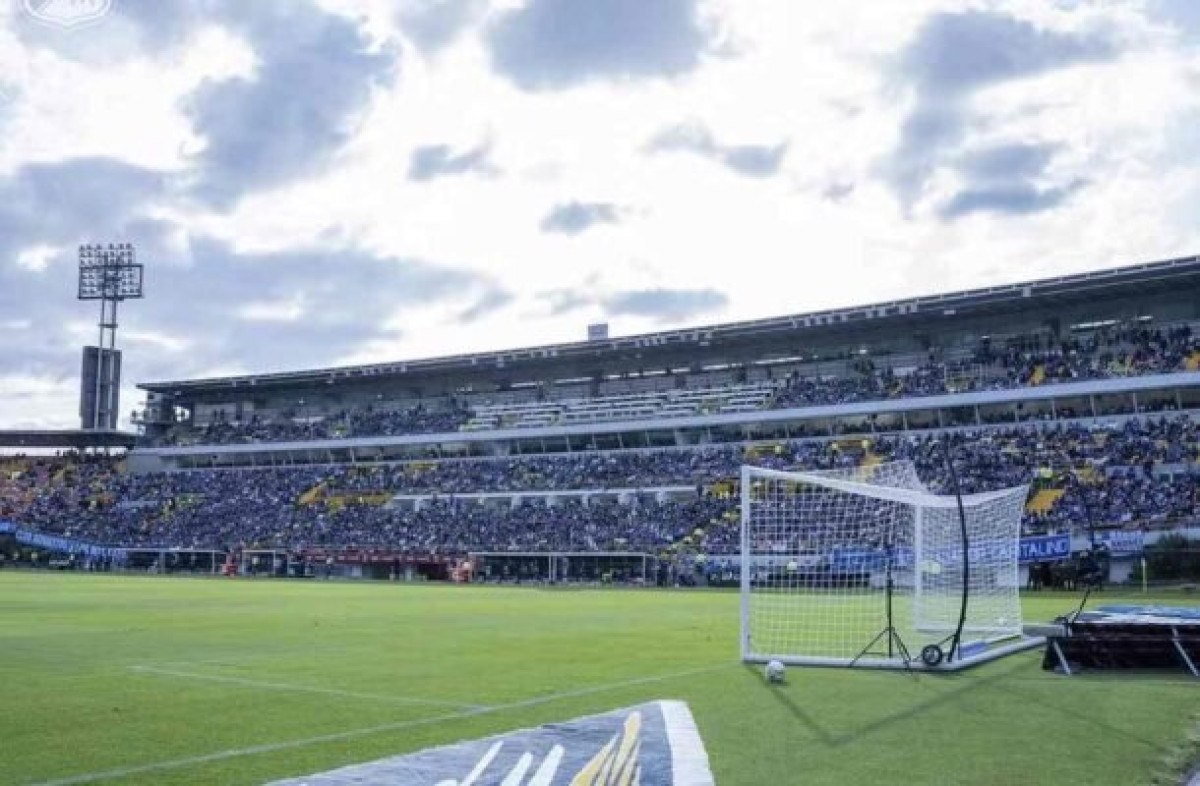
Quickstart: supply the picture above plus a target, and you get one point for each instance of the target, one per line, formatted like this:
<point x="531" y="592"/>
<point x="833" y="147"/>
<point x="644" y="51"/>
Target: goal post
<point x="866" y="567"/>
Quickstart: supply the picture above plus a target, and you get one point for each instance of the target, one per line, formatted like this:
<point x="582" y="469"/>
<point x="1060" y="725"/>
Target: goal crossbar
<point x="882" y="492"/>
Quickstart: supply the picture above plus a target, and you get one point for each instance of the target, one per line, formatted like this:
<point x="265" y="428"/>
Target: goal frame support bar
<point x="916" y="664"/>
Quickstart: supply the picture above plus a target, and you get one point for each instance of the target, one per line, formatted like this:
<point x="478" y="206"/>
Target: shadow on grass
<point x="805" y="719"/>
<point x="1000" y="678"/>
<point x="1041" y="699"/>
<point x="967" y="684"/>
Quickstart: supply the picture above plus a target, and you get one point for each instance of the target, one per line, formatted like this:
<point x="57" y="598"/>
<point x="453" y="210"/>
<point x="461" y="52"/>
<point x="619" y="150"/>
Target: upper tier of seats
<point x="1020" y="361"/>
<point x="746" y="397"/>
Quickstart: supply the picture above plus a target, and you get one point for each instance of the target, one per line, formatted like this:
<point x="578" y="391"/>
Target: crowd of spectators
<point x="1118" y="351"/>
<point x="867" y="382"/>
<point x="93" y="502"/>
<point x="992" y="458"/>
<point x="218" y="509"/>
<point x="1015" y="362"/>
<point x="1139" y="473"/>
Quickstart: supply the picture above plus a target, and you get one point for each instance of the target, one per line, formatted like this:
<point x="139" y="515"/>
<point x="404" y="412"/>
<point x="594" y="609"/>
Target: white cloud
<point x="30" y="402"/>
<point x="36" y="258"/>
<point x="289" y="310"/>
<point x="827" y="229"/>
<point x="155" y="341"/>
<point x="128" y="111"/>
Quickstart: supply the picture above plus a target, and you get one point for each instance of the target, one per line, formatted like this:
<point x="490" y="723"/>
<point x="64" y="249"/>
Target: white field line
<point x="241" y="657"/>
<point x="293" y="688"/>
<point x="274" y="747"/>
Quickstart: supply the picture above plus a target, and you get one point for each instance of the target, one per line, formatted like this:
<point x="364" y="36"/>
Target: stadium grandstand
<point x="1082" y="386"/>
<point x="1109" y="342"/>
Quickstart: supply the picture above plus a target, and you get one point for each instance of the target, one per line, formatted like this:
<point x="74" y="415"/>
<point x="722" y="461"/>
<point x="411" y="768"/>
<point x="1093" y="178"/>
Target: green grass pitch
<point x="168" y="681"/>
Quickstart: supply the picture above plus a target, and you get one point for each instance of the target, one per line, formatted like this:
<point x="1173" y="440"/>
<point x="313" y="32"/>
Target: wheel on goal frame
<point x="931" y="655"/>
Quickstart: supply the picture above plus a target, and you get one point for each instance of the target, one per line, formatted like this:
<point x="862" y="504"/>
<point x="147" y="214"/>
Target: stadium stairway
<point x="855" y="447"/>
<point x="1121" y="367"/>
<point x="313" y="495"/>
<point x="336" y="501"/>
<point x="416" y="468"/>
<point x="724" y="488"/>
<point x="1044" y="500"/>
<point x="751" y="452"/>
<point x="13" y="465"/>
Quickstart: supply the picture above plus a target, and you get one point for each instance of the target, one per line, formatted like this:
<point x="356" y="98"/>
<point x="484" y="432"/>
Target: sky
<point x="322" y="182"/>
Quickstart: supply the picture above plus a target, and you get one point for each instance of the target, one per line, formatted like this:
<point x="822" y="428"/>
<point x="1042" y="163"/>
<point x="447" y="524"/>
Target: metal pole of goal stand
<point x="895" y="644"/>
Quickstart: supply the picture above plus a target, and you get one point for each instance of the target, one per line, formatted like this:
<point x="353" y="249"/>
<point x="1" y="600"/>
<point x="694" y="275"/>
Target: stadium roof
<point x="1166" y="275"/>
<point x="72" y="439"/>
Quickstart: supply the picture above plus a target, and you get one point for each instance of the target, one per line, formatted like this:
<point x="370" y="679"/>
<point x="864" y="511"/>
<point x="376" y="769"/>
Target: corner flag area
<point x="120" y="680"/>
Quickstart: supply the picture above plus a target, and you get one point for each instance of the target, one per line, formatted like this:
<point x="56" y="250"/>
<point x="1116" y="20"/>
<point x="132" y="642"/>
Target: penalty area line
<point x="293" y="688"/>
<point x="350" y="734"/>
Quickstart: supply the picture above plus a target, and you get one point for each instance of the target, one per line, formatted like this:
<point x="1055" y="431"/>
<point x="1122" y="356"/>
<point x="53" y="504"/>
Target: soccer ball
<point x="775" y="672"/>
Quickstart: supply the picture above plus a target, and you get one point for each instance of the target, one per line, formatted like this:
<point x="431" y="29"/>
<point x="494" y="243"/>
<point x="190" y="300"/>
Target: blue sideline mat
<point x="1160" y="614"/>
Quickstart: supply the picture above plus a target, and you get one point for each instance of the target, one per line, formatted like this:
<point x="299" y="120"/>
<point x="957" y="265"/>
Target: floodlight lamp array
<point x="109" y="272"/>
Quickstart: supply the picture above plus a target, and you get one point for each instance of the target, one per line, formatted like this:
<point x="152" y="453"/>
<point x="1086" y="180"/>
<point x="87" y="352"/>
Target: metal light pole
<point x="109" y="274"/>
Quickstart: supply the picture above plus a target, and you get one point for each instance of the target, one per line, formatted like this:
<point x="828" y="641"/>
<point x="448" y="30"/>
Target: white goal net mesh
<point x="820" y="549"/>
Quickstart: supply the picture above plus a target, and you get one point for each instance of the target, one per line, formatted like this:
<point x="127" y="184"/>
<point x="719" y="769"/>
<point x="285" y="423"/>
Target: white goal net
<point x="865" y="566"/>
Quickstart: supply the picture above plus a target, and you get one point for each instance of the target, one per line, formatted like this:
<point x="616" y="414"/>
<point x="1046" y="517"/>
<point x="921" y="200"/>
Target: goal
<point x="866" y="567"/>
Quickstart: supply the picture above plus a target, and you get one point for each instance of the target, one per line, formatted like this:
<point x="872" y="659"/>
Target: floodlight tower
<point x="109" y="274"/>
